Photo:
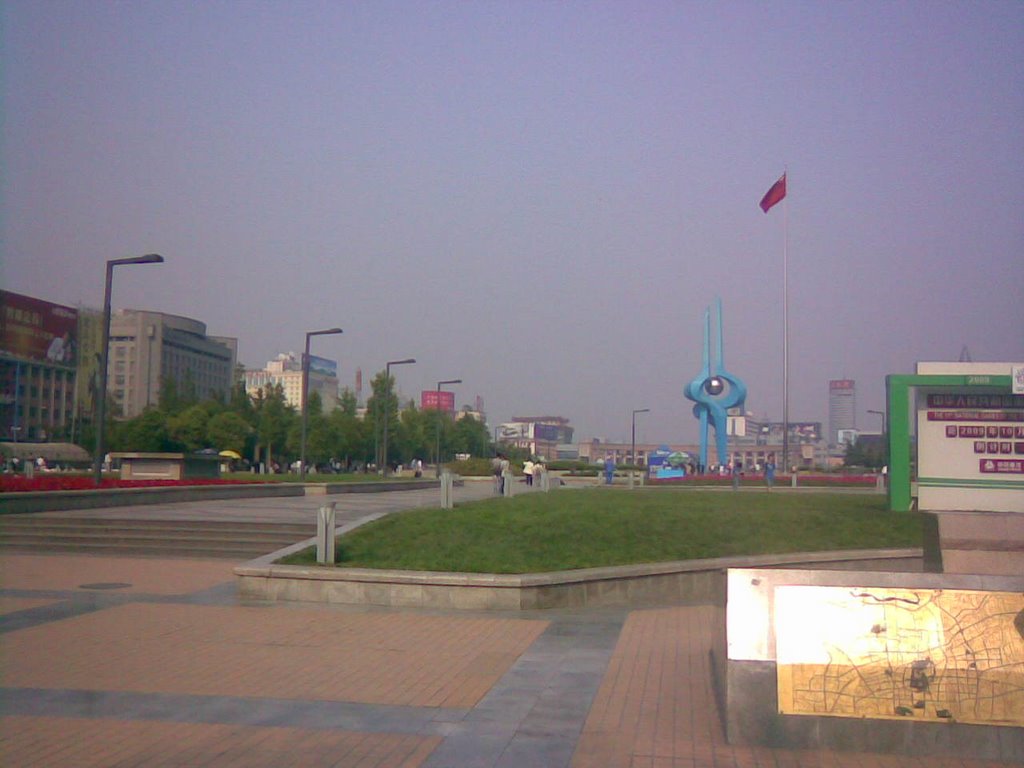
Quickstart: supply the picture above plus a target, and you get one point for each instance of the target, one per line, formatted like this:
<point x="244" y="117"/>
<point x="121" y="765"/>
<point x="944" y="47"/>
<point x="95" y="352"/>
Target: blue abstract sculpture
<point x="715" y="391"/>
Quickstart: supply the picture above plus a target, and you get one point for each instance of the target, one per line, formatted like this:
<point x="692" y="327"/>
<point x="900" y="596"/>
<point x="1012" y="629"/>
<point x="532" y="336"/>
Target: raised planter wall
<point x="695" y="581"/>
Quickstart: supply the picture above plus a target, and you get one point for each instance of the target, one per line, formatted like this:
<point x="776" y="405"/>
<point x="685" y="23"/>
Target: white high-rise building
<point x="842" y="408"/>
<point x="286" y="370"/>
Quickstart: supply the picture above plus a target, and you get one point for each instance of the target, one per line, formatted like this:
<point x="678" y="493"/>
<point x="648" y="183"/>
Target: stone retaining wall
<point x="52" y="501"/>
<point x="694" y="581"/>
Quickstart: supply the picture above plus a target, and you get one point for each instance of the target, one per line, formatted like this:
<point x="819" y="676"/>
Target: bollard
<point x="325" y="533"/>
<point x="447" y="486"/>
<point x="506" y="483"/>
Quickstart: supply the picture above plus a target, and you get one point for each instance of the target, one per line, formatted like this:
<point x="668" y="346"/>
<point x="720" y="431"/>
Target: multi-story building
<point x="286" y="370"/>
<point x="38" y="355"/>
<point x="539" y="435"/>
<point x="148" y="348"/>
<point x="842" y="408"/>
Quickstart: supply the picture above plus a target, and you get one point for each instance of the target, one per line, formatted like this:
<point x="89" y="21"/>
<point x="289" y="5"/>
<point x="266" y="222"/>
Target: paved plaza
<point x="148" y="661"/>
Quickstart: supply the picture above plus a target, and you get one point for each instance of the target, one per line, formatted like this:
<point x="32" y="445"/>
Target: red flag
<point x="775" y="194"/>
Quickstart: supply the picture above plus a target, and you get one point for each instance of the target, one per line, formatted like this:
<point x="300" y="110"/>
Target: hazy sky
<point x="539" y="198"/>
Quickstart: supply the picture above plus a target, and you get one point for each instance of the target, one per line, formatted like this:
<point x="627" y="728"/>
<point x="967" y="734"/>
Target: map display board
<point x="929" y="654"/>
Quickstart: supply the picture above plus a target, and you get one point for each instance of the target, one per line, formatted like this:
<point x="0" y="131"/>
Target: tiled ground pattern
<point x="144" y="575"/>
<point x="656" y="708"/>
<point x="47" y="741"/>
<point x="397" y="659"/>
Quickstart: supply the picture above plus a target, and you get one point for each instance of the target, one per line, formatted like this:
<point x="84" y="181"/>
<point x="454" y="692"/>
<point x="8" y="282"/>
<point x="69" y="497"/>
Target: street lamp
<point x="632" y="454"/>
<point x="305" y="396"/>
<point x="882" y="414"/>
<point x="437" y="422"/>
<point x="101" y="404"/>
<point x="387" y="405"/>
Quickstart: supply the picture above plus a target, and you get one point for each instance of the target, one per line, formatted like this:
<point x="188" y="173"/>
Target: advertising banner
<point x="432" y="400"/>
<point x="33" y="329"/>
<point x="323" y="366"/>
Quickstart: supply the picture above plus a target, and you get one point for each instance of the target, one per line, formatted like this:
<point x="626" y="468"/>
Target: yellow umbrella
<point x="230" y="454"/>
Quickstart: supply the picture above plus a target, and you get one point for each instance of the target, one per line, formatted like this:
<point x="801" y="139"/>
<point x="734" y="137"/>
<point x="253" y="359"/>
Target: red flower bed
<point x="807" y="480"/>
<point x="59" y="482"/>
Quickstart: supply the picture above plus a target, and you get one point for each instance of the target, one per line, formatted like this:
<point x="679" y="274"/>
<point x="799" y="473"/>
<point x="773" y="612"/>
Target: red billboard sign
<point x="434" y="400"/>
<point x="840" y="384"/>
<point x="37" y="330"/>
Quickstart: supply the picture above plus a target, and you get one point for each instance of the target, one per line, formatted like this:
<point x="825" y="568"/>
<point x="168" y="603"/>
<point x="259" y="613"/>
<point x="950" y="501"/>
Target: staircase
<point x="169" y="538"/>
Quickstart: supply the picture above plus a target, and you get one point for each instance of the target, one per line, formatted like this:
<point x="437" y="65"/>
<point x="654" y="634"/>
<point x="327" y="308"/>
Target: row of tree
<point x="266" y="429"/>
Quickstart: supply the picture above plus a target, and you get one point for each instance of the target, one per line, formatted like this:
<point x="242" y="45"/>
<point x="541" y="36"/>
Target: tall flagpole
<point x="785" y="326"/>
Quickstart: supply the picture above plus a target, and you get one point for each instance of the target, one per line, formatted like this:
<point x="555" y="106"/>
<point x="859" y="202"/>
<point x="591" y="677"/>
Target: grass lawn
<point x="587" y="528"/>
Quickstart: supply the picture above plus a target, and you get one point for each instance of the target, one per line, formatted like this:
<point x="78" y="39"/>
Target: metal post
<point x="101" y="404"/>
<point x="305" y="396"/>
<point x="437" y="423"/>
<point x="632" y="450"/>
<point x="387" y="407"/>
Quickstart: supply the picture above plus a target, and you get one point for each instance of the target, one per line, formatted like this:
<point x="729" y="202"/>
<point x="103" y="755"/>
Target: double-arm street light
<point x="305" y="395"/>
<point x="632" y="455"/>
<point x="101" y="403"/>
<point x="437" y="442"/>
<point x="387" y="405"/>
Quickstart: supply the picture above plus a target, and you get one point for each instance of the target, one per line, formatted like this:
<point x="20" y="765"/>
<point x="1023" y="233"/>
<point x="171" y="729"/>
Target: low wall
<point x="693" y="581"/>
<point x="53" y="501"/>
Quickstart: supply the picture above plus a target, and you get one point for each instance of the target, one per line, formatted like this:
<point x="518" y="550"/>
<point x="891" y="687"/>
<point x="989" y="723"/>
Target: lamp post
<point x="882" y="414"/>
<point x="101" y="403"/>
<point x="632" y="450"/>
<point x="437" y="422"/>
<point x="387" y="406"/>
<point x="305" y="395"/>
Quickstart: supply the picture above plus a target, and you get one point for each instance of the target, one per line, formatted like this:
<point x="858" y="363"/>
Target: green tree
<point x="347" y="402"/>
<point x="274" y="417"/>
<point x="229" y="431"/>
<point x="175" y="397"/>
<point x="470" y="436"/>
<point x="351" y="439"/>
<point x="188" y="428"/>
<point x="318" y="439"/>
<point x="147" y="432"/>
<point x="868" y="451"/>
<point x="383" y="397"/>
<point x="415" y="435"/>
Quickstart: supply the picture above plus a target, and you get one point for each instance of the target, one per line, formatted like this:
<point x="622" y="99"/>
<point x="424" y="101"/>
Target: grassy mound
<point x="589" y="528"/>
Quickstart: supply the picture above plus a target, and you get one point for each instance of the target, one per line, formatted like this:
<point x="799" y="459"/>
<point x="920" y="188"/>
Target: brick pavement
<point x="175" y="671"/>
<point x="656" y="707"/>
<point x="56" y="741"/>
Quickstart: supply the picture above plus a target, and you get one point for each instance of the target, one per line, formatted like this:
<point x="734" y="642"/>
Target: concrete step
<point x="192" y="538"/>
<point x="38" y="522"/>
<point x="167" y="549"/>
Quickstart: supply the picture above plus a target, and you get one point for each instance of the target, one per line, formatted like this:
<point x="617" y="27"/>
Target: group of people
<point x="500" y="466"/>
<point x="532" y="469"/>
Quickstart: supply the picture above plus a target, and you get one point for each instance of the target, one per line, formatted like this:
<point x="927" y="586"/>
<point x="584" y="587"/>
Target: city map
<point x="928" y="654"/>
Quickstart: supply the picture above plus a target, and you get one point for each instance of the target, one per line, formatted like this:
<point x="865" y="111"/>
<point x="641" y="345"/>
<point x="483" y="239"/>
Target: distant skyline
<point x="539" y="199"/>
